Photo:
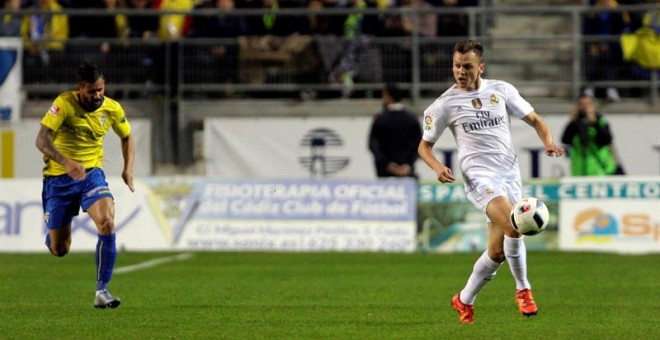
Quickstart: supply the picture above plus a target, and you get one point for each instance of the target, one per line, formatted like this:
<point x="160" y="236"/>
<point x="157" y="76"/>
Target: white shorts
<point x="482" y="191"/>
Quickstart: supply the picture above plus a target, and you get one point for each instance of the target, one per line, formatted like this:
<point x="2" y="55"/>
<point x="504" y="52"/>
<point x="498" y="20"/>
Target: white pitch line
<point x="152" y="263"/>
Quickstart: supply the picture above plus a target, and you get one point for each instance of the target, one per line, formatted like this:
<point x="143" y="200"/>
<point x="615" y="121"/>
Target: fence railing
<point x="539" y="48"/>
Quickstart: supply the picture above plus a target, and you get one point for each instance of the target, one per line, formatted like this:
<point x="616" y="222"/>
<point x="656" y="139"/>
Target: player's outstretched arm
<point x="443" y="173"/>
<point x="544" y="133"/>
<point x="45" y="144"/>
<point x="128" y="151"/>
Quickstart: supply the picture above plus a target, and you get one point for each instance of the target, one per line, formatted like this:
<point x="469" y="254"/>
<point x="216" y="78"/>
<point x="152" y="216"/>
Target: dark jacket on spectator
<point x="394" y="137"/>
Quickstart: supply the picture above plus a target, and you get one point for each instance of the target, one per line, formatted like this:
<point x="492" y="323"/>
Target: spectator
<point x="434" y="66"/>
<point x="453" y="24"/>
<point x="141" y="25"/>
<point x="398" y="57"/>
<point x="603" y="60"/>
<point x="316" y="23"/>
<point x="427" y="27"/>
<point x="173" y="26"/>
<point x="394" y="137"/>
<point x="11" y="22"/>
<point x="590" y="139"/>
<point x="402" y="25"/>
<point x="271" y="23"/>
<point x="219" y="26"/>
<point x="633" y="19"/>
<point x="109" y="27"/>
<point x="116" y="25"/>
<point x="345" y="68"/>
<point x="326" y="31"/>
<point x="218" y="61"/>
<point x="114" y="49"/>
<point x="274" y="47"/>
<point x="353" y="56"/>
<point x="81" y="26"/>
<point x="428" y="22"/>
<point x="143" y="59"/>
<point x="44" y="41"/>
<point x="374" y="24"/>
<point x="641" y="44"/>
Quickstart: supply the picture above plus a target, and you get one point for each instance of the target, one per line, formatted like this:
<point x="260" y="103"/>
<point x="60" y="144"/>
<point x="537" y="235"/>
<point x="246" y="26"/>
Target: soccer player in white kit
<point x="476" y="111"/>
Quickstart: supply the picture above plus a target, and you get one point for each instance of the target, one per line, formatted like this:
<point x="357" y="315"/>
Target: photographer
<point x="589" y="140"/>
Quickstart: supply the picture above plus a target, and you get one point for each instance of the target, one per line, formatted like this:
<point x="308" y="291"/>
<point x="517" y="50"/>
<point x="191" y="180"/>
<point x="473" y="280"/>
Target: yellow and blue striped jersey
<point x="79" y="134"/>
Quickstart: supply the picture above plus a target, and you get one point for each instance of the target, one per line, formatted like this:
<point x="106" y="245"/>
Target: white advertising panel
<point x="187" y="213"/>
<point x="300" y="215"/>
<point x="288" y="147"/>
<point x="22" y="226"/>
<point x="336" y="147"/>
<point x="610" y="214"/>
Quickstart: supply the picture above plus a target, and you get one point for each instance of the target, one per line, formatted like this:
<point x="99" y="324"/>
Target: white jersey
<point x="481" y="127"/>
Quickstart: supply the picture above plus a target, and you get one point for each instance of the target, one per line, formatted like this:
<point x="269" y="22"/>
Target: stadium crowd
<point x="265" y="48"/>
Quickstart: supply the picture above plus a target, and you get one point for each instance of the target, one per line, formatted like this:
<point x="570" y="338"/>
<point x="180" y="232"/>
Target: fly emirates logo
<point x="484" y="121"/>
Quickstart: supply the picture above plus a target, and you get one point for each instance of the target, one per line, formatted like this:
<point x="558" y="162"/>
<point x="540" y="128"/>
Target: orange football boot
<point x="525" y="302"/>
<point x="465" y="312"/>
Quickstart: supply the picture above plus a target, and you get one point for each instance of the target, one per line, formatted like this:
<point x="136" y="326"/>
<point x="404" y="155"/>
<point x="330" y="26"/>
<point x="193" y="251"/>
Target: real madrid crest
<point x="476" y="103"/>
<point x="494" y="100"/>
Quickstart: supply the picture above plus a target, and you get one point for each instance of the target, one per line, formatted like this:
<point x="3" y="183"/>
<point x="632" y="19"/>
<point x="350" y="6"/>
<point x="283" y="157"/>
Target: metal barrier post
<point x="414" y="90"/>
<point x="654" y="87"/>
<point x="576" y="40"/>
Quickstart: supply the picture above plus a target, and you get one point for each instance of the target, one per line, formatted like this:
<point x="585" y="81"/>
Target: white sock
<point x="483" y="271"/>
<point x="516" y="256"/>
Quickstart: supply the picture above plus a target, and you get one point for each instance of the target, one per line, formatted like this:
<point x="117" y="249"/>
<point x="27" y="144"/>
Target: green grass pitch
<point x="327" y="296"/>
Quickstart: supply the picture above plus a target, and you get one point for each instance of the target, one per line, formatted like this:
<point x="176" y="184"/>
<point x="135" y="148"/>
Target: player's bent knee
<point x="106" y="226"/>
<point x="59" y="250"/>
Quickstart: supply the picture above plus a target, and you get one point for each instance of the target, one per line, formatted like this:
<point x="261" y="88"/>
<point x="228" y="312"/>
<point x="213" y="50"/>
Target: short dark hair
<point x="393" y="91"/>
<point x="583" y="96"/>
<point x="87" y="72"/>
<point x="467" y="46"/>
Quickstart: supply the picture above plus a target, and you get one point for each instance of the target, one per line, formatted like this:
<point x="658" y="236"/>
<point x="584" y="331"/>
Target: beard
<point x="92" y="105"/>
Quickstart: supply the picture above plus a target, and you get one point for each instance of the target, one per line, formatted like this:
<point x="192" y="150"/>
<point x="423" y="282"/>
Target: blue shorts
<point x="62" y="196"/>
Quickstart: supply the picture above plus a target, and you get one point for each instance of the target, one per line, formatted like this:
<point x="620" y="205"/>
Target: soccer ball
<point x="529" y="216"/>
